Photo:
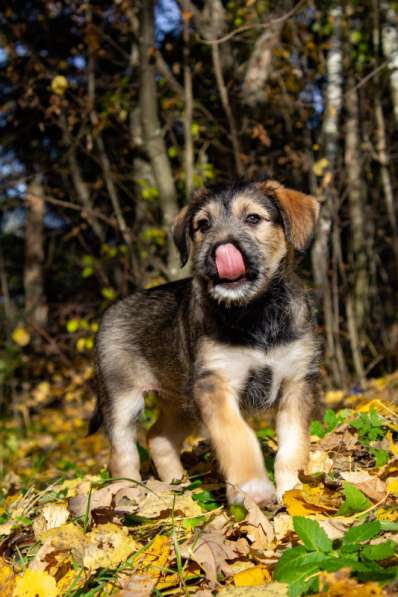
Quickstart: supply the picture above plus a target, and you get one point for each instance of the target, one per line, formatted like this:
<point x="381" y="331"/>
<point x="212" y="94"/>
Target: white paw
<point x="260" y="490"/>
<point x="286" y="482"/>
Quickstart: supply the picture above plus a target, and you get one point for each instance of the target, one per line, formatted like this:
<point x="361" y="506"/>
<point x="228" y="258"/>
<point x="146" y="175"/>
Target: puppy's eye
<point x="253" y="219"/>
<point x="203" y="225"/>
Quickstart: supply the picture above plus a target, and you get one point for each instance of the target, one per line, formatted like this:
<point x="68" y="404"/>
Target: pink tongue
<point x="229" y="262"/>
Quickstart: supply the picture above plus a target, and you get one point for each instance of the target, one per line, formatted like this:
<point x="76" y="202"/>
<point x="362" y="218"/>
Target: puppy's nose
<point x="229" y="262"/>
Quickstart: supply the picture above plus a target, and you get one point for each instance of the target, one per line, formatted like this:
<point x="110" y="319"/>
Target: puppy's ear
<point x="181" y="234"/>
<point x="299" y="214"/>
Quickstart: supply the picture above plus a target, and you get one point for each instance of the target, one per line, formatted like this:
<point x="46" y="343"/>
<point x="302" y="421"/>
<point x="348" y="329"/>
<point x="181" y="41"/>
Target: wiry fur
<point x="213" y="349"/>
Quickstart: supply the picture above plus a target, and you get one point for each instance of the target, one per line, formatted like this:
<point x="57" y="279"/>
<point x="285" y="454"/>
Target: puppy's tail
<point x="96" y="419"/>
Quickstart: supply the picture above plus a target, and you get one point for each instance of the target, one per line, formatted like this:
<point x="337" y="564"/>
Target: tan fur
<point x="301" y="212"/>
<point x="241" y="461"/>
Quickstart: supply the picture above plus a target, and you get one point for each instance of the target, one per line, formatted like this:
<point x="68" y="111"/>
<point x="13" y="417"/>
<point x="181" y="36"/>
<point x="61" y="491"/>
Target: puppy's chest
<point x="256" y="376"/>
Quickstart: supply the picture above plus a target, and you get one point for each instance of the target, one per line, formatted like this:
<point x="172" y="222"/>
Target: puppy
<point x="235" y="338"/>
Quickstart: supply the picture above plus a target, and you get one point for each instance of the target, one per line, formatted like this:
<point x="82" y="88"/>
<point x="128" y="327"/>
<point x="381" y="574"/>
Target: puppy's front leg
<point x="235" y="443"/>
<point x="292" y="426"/>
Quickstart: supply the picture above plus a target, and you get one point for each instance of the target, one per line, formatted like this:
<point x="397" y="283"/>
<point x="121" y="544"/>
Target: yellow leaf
<point x="156" y="556"/>
<point x="7" y="579"/>
<point x="392" y="486"/>
<point x="59" y="85"/>
<point x="35" y="583"/>
<point x="107" y="546"/>
<point x="20" y="336"/>
<point x="310" y="500"/>
<point x="319" y="166"/>
<point x="148" y="567"/>
<point x="333" y="397"/>
<point x="257" y="575"/>
<point x="383" y="514"/>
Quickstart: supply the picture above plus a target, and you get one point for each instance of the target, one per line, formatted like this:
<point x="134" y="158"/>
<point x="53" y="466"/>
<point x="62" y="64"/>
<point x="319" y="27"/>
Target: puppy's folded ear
<point x="299" y="213"/>
<point x="180" y="233"/>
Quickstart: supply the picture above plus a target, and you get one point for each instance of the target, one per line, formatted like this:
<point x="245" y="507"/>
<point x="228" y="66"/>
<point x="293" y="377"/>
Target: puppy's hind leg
<point x="121" y="428"/>
<point x="165" y="441"/>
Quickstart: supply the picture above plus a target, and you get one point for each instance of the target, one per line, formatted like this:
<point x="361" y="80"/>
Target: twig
<point x="244" y="28"/>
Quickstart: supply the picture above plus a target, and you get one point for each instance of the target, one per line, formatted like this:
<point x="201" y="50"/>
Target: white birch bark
<point x="320" y="251"/>
<point x="389" y="34"/>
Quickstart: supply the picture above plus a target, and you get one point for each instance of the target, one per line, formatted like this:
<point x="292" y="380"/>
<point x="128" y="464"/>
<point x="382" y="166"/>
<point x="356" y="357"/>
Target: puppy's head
<point x="239" y="234"/>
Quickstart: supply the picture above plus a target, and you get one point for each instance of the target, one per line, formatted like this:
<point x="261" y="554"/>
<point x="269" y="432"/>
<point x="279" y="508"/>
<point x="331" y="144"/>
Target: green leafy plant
<point x="330" y="421"/>
<point x="299" y="566"/>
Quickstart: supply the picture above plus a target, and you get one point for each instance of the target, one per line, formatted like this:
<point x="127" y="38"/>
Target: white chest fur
<point x="291" y="361"/>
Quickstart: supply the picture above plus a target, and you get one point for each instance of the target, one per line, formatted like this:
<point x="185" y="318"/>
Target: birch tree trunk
<point x="359" y="285"/>
<point x="321" y="250"/>
<point x="152" y="131"/>
<point x="390" y="49"/>
<point x="381" y="143"/>
<point x="35" y="300"/>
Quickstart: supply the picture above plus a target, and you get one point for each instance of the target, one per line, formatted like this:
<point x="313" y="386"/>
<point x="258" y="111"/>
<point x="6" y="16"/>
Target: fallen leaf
<point x="392" y="486"/>
<point x="257" y="575"/>
<point x="148" y="567"/>
<point x="319" y="462"/>
<point x="283" y="525"/>
<point x="35" y="583"/>
<point x="210" y="550"/>
<point x="106" y="546"/>
<point x="273" y="589"/>
<point x="258" y="528"/>
<point x="7" y="579"/>
<point x="162" y="497"/>
<point x="52" y="516"/>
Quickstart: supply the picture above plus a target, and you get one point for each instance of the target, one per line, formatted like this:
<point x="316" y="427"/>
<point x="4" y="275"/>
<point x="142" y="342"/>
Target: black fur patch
<point x="257" y="392"/>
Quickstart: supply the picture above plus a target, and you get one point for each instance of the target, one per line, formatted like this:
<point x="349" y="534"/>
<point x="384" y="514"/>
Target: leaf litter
<point x="67" y="529"/>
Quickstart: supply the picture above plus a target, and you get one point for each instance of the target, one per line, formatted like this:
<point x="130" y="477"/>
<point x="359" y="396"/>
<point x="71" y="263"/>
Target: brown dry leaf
<point x="66" y="539"/>
<point x="161" y="497"/>
<point x="80" y="504"/>
<point x="53" y="515"/>
<point x="371" y="486"/>
<point x="334" y="529"/>
<point x="256" y="575"/>
<point x="283" y="525"/>
<point x="106" y="546"/>
<point x="210" y="550"/>
<point x="319" y="462"/>
<point x="256" y="525"/>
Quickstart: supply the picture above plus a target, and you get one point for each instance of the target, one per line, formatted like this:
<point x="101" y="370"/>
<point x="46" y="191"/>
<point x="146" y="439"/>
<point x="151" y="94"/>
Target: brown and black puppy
<point x="237" y="337"/>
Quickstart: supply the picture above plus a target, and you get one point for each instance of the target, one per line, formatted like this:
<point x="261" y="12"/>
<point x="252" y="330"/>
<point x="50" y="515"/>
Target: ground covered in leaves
<point x="67" y="529"/>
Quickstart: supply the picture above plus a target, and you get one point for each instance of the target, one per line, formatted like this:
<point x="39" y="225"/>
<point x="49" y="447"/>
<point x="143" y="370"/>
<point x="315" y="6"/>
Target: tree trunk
<point x="81" y="188"/>
<point x="381" y="143"/>
<point x="152" y="131"/>
<point x="35" y="300"/>
<point x="188" y="104"/>
<point x="390" y="49"/>
<point x="259" y="66"/>
<point x="359" y="284"/>
<point x="321" y="249"/>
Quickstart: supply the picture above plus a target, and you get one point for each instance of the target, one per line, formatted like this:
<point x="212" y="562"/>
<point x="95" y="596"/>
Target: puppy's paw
<point x="286" y="482"/>
<point x="260" y="490"/>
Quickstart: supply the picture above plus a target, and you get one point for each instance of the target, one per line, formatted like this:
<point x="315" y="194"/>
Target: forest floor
<point x="67" y="529"/>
